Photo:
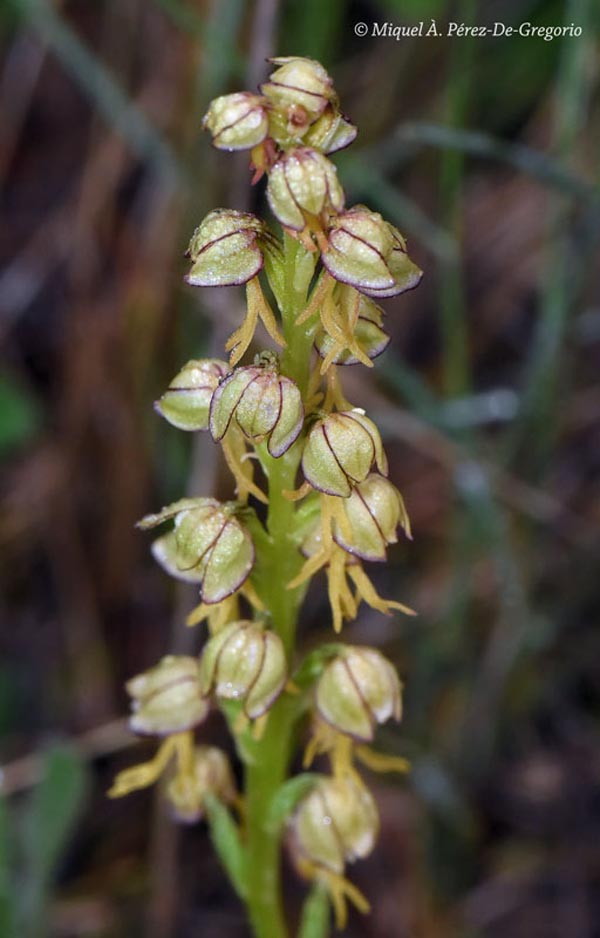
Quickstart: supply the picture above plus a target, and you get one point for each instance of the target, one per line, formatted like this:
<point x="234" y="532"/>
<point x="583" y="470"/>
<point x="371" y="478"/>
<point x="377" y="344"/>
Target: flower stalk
<point x="311" y="496"/>
<point x="282" y="563"/>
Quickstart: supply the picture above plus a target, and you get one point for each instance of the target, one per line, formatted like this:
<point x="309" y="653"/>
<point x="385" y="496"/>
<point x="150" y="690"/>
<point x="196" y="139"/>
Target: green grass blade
<point x="546" y="169"/>
<point x="8" y="905"/>
<point x="53" y="810"/>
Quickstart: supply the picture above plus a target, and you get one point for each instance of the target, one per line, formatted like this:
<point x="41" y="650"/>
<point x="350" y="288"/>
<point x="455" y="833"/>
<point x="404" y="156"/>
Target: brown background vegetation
<point x="485" y="153"/>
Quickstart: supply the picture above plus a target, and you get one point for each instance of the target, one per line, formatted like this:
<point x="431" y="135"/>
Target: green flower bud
<point x="167" y="698"/>
<point x="340" y="451"/>
<point x="335" y="824"/>
<point x="357" y="690"/>
<point x="211" y="776"/>
<point x="299" y="82"/>
<point x="186" y="402"/>
<point x="208" y="545"/>
<point x="265" y="405"/>
<point x="368" y="333"/>
<point x="330" y="132"/>
<point x="370" y="254"/>
<point x="225" y="249"/>
<point x="237" y="121"/>
<point x="374" y="510"/>
<point x="244" y="661"/>
<point x="303" y="183"/>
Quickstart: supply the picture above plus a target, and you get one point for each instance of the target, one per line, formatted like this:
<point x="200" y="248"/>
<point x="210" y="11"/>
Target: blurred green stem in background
<point x="540" y="406"/>
<point x="456" y="377"/>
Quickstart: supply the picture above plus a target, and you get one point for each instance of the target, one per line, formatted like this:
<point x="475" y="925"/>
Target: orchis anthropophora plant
<point x="311" y="494"/>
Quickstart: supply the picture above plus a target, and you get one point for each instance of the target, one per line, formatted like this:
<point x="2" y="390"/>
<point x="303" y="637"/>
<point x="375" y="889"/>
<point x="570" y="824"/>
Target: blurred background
<point x="484" y="152"/>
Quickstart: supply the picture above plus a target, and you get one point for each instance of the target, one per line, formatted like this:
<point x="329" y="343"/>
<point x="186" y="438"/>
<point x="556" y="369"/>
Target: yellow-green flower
<point x="226" y="249"/>
<point x="299" y="82"/>
<point x="374" y="511"/>
<point x="244" y="661"/>
<point x="237" y="121"/>
<point x="295" y="126"/>
<point x="303" y="186"/>
<point x="340" y="451"/>
<point x="358" y="689"/>
<point x="264" y="404"/>
<point x="322" y="552"/>
<point x="335" y="824"/>
<point x="166" y="699"/>
<point x="368" y="253"/>
<point x="211" y="775"/>
<point x="208" y="545"/>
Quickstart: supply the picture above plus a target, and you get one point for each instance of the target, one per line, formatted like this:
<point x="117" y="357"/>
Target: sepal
<point x="335" y="824"/>
<point x="225" y="249"/>
<point x="208" y="545"/>
<point x="166" y="699"/>
<point x="368" y="253"/>
<point x="357" y="690"/>
<point x="265" y="405"/>
<point x="237" y="121"/>
<point x="330" y="132"/>
<point x="340" y="450"/>
<point x="303" y="184"/>
<point x="299" y="83"/>
<point x="186" y="402"/>
<point x="374" y="511"/>
<point x="244" y="661"/>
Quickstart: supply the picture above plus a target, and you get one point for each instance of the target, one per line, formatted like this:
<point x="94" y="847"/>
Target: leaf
<point x="21" y="415"/>
<point x="8" y="905"/>
<point x="225" y="836"/>
<point x="287" y="797"/>
<point x="52" y="812"/>
<point x="315" y="914"/>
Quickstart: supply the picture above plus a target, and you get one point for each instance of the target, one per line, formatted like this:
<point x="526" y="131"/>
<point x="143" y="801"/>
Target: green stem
<point x="299" y="266"/>
<point x="269" y="767"/>
<point x="263" y="778"/>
